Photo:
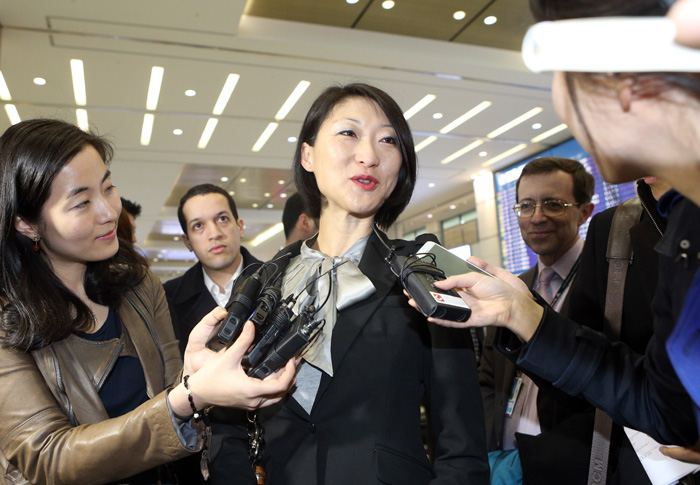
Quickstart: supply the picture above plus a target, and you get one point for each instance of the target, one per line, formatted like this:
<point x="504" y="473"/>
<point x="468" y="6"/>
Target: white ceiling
<point x="199" y="44"/>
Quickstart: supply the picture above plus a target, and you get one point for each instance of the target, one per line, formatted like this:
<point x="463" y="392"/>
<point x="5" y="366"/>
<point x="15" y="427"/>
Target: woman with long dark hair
<point x="94" y="387"/>
<point x="354" y="414"/>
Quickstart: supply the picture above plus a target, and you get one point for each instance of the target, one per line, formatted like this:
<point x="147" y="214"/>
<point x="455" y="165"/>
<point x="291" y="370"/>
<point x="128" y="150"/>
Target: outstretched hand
<point x="504" y="301"/>
<point x="219" y="379"/>
<point x="686" y="15"/>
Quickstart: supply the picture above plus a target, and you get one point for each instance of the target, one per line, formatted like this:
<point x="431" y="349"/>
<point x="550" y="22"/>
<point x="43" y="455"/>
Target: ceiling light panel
<point x="225" y="94"/>
<point x="4" y="90"/>
<point x="427" y="99"/>
<point x="154" y="86"/>
<point x="514" y="122"/>
<point x="298" y="92"/>
<point x="77" y="71"/>
<point x="465" y="117"/>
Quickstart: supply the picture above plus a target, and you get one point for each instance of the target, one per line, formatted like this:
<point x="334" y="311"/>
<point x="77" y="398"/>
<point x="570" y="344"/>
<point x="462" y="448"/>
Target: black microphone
<point x="240" y="308"/>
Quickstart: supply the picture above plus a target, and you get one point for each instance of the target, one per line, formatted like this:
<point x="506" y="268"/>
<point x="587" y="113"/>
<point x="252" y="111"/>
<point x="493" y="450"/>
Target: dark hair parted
<point x="321" y="108"/>
<point x="203" y="189"/>
<point x="293" y="208"/>
<point x="37" y="307"/>
<point x="584" y="183"/>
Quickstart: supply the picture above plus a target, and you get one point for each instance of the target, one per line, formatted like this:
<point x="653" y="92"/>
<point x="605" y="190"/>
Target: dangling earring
<point x="36" y="243"/>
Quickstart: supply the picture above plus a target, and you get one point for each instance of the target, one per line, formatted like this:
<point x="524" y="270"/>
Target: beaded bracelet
<point x="195" y="414"/>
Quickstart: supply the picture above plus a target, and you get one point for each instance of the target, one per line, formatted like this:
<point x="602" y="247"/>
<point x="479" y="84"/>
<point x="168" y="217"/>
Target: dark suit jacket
<point x="189" y="301"/>
<point x="639" y="391"/>
<point x="569" y="443"/>
<point x="496" y="374"/>
<point x="364" y="427"/>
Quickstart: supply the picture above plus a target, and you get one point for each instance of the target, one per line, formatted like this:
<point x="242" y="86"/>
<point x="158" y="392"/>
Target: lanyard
<point x="567" y="281"/>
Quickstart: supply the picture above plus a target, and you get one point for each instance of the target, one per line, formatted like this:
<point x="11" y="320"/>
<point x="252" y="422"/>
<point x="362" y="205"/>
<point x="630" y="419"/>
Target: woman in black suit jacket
<point x="354" y="415"/>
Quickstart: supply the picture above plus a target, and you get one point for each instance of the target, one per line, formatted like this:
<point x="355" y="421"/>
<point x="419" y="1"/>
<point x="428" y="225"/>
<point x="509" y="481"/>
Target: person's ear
<point x="307" y="157"/>
<point x="586" y="211"/>
<point x="241" y="227"/>
<point x="25" y="228"/>
<point x="186" y="240"/>
<point x="624" y="93"/>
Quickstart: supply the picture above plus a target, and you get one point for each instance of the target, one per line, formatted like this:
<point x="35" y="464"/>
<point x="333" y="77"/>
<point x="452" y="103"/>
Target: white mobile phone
<point x="449" y="263"/>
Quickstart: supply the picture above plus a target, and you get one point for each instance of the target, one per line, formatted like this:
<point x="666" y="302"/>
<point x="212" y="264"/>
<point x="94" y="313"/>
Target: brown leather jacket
<point x="54" y="428"/>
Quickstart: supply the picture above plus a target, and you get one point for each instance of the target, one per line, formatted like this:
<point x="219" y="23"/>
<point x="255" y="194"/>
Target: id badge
<point x="517" y="384"/>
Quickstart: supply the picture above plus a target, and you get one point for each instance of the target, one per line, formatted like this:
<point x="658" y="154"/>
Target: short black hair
<point x="293" y="208"/>
<point x="319" y="111"/>
<point x="584" y="183"/>
<point x="203" y="189"/>
<point x="131" y="207"/>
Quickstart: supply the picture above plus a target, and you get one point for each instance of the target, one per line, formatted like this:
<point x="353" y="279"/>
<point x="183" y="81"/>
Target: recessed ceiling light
<point x="431" y="185"/>
<point x="283" y="195"/>
<point x="225" y="94"/>
<point x="429" y="216"/>
<point x="154" y="88"/>
<point x="264" y="136"/>
<point x="231" y="193"/>
<point x="520" y="119"/>
<point x="266" y="194"/>
<point x="427" y="99"/>
<point x="177" y="132"/>
<point x="270" y="206"/>
<point x="503" y="155"/>
<point x="243" y="180"/>
<point x="292" y="100"/>
<point x="207" y="133"/>
<point x="437" y="116"/>
<point x="4" y="90"/>
<point x="190" y="92"/>
<point x="12" y="113"/>
<point x="351" y="2"/>
<point x="549" y="133"/>
<point x="461" y="152"/>
<point x="82" y="118"/>
<point x="280" y="182"/>
<point x="78" y="75"/>
<point x="536" y="126"/>
<point x="466" y="116"/>
<point x="147" y="129"/>
<point x="388" y="4"/>
<point x="39" y="81"/>
<point x="224" y="179"/>
<point x="459" y="15"/>
<point x="255" y="206"/>
<point x="176" y="238"/>
<point x="292" y="139"/>
<point x="425" y="143"/>
<point x="490" y="20"/>
<point x="483" y="154"/>
<point x="453" y="207"/>
<point x="155" y="260"/>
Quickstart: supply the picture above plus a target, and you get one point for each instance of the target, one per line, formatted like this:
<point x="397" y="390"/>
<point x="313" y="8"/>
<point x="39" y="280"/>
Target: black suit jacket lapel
<point x="352" y="319"/>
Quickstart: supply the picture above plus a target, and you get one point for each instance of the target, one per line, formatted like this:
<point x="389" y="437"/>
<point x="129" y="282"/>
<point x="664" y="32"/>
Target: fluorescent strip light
<point x="207" y="133"/>
<point x="425" y="143"/>
<point x="154" y="88"/>
<point x="147" y="129"/>
<point x="503" y="155"/>
<point x="82" y="117"/>
<point x="265" y="136"/>
<point x="4" y="90"/>
<point x="292" y="100"/>
<point x="264" y="236"/>
<point x="466" y="116"/>
<point x="78" y="73"/>
<point x="520" y="119"/>
<point x="549" y="133"/>
<point x="461" y="152"/>
<point x="12" y="113"/>
<point x="225" y="94"/>
<point x="429" y="98"/>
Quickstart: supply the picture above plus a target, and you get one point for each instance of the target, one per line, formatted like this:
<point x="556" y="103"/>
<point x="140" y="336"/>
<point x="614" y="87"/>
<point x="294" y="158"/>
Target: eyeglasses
<point x="550" y="208"/>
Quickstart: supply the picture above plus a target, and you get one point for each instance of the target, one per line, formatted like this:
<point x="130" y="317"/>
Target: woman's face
<point x="79" y="219"/>
<point x="355" y="159"/>
<point x="619" y="140"/>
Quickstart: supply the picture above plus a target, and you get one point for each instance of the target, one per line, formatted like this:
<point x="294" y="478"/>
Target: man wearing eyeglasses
<point x="553" y="200"/>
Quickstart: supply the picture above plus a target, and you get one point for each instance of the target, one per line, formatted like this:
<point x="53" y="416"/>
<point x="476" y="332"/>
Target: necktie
<point x="544" y="284"/>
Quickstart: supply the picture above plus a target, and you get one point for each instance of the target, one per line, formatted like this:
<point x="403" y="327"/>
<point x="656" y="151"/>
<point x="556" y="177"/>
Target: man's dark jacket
<point x="189" y="301"/>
